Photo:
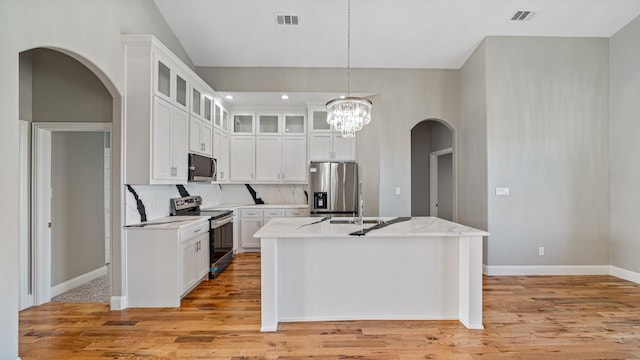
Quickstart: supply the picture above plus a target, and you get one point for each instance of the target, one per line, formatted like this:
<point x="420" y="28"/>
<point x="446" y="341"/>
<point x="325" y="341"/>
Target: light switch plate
<point x="502" y="191"/>
<point x="397" y="191"/>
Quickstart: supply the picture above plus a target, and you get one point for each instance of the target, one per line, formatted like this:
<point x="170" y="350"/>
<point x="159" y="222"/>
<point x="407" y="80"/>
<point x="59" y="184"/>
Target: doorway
<point x="68" y="208"/>
<point x="433" y="170"/>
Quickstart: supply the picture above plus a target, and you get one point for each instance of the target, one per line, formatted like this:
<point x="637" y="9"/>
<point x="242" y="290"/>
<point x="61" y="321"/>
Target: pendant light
<point x="348" y="114"/>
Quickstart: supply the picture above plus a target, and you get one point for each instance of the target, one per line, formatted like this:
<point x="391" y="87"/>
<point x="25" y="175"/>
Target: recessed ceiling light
<point x="229" y="97"/>
<point x="284" y="97"/>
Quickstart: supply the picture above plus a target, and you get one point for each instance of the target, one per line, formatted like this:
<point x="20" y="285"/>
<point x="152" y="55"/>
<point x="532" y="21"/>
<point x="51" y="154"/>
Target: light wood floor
<point x="525" y="317"/>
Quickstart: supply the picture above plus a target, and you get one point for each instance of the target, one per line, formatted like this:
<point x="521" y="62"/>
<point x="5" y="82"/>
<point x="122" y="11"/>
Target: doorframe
<point x="26" y="252"/>
<point x="433" y="181"/>
<point x="41" y="199"/>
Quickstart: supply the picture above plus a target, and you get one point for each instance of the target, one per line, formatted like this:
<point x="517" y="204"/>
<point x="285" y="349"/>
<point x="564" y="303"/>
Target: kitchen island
<point x="420" y="268"/>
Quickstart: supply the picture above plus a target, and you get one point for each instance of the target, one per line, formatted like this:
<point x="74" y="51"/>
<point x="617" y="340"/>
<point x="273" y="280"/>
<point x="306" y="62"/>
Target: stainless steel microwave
<point x="202" y="168"/>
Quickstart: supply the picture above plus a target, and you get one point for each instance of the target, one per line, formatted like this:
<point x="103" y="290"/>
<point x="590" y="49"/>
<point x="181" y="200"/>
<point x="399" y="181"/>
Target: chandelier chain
<point x="348" y="47"/>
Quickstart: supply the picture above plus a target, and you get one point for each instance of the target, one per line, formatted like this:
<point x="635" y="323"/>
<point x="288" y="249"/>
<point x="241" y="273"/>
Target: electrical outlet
<point x="397" y="191"/>
<point x="541" y="251"/>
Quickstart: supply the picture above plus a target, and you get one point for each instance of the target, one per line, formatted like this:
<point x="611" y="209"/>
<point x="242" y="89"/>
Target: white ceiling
<point x="435" y="34"/>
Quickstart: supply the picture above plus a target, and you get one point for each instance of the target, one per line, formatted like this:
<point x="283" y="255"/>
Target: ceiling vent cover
<point x="523" y="15"/>
<point x="286" y="20"/>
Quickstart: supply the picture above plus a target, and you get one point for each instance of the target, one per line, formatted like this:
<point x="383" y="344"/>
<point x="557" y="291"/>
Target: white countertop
<point x="257" y="206"/>
<point x="414" y="227"/>
<point x="168" y="223"/>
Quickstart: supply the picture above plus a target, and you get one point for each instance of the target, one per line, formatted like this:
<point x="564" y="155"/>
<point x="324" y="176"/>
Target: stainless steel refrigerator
<point x="333" y="188"/>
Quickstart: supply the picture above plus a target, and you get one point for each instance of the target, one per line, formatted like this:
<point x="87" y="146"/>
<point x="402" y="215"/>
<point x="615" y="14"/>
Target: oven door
<point x="220" y="245"/>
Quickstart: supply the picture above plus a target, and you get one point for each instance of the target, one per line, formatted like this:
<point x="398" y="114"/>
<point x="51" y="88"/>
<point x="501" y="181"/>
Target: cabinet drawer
<point x="250" y="213"/>
<point x="193" y="231"/>
<point x="270" y="213"/>
<point x="297" y="212"/>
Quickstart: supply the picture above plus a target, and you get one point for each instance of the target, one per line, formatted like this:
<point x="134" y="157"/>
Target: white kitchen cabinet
<point x="242" y="158"/>
<point x="243" y="123"/>
<point x="268" y="124"/>
<point x="250" y="222"/>
<point x="165" y="262"/>
<point x="326" y="144"/>
<point x="194" y="259"/>
<point x="169" y="81"/>
<point x="252" y="219"/>
<point x="294" y="159"/>
<point x="294" y="124"/>
<point x="158" y="100"/>
<point x="221" y="153"/>
<point x="200" y="137"/>
<point x="269" y="158"/>
<point x="169" y="144"/>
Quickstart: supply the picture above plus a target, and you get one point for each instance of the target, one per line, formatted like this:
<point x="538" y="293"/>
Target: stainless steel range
<point x="220" y="230"/>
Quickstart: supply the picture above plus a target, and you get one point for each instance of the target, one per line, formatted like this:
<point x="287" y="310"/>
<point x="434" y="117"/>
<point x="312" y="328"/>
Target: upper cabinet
<point x="166" y="113"/>
<point x="243" y="124"/>
<point x="325" y="144"/>
<point x="170" y="80"/>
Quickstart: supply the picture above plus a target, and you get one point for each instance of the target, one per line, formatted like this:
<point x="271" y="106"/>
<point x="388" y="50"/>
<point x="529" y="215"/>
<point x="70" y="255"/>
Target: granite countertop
<point x="169" y="222"/>
<point x="315" y="227"/>
<point x="257" y="206"/>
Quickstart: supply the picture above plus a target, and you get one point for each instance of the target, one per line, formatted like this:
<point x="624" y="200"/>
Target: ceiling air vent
<point x="286" y="20"/>
<point x="522" y="15"/>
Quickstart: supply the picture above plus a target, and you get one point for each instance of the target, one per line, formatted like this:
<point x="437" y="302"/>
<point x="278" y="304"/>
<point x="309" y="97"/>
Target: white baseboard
<point x="118" y="302"/>
<point x="77" y="281"/>
<point x="625" y="274"/>
<point x="496" y="270"/>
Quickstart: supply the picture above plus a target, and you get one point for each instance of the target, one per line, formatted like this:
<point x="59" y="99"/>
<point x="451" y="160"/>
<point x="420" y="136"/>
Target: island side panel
<point x="361" y="278"/>
<point x="269" y="281"/>
<point x="471" y="282"/>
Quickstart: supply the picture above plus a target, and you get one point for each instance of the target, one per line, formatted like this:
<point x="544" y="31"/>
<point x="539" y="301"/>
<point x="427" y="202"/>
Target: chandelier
<point x="348" y="114"/>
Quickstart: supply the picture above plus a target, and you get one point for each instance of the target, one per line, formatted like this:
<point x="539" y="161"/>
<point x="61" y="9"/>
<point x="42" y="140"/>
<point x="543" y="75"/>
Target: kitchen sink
<point x="352" y="221"/>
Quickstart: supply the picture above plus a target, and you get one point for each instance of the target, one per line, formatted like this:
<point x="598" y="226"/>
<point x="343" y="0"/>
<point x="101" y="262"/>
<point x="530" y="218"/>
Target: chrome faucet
<point x="359" y="220"/>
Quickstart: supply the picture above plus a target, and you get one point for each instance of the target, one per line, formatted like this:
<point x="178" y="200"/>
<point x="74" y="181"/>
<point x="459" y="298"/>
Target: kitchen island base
<point x="371" y="278"/>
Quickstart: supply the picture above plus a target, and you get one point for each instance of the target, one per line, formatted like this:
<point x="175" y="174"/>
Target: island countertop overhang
<point x="315" y="227"/>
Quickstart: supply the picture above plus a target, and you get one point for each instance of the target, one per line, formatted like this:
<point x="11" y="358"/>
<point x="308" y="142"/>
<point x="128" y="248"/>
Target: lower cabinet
<point x="194" y="262"/>
<point x="163" y="263"/>
<point x="251" y="220"/>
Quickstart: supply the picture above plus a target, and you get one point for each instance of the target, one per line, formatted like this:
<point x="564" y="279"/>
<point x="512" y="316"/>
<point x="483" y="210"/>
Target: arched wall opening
<point x="60" y="86"/>
<point x="433" y="175"/>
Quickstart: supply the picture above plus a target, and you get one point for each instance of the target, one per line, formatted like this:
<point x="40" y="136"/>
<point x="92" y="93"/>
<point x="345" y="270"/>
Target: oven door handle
<point x="218" y="223"/>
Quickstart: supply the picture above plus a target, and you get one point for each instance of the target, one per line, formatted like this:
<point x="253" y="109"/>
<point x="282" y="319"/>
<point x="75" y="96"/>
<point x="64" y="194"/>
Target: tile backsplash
<point x="155" y="198"/>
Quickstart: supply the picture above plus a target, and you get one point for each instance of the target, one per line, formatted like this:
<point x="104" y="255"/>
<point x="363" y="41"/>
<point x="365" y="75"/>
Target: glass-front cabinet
<point x="294" y="124"/>
<point x="242" y="123"/>
<point x="268" y="124"/>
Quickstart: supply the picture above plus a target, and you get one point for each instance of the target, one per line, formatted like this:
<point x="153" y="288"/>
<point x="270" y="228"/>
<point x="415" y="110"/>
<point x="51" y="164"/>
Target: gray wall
<point x="64" y="90"/>
<point x="26" y="86"/>
<point x="547" y="125"/>
<point x="624" y="131"/>
<point x="91" y="30"/>
<point x="472" y="143"/>
<point x="77" y="208"/>
<point x="404" y="98"/>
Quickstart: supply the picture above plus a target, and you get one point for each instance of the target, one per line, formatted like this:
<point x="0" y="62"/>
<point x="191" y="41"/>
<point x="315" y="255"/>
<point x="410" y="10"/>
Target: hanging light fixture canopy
<point x="348" y="114"/>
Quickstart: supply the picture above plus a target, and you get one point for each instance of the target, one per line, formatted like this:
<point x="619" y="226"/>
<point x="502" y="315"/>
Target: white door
<point x="180" y="144"/>
<point x="441" y="184"/>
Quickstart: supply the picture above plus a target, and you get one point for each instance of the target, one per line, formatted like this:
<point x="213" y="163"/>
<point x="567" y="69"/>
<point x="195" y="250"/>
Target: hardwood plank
<point x="526" y="317"/>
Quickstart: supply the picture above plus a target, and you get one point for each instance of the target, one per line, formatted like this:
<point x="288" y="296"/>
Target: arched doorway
<point x="433" y="170"/>
<point x="59" y="86"/>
